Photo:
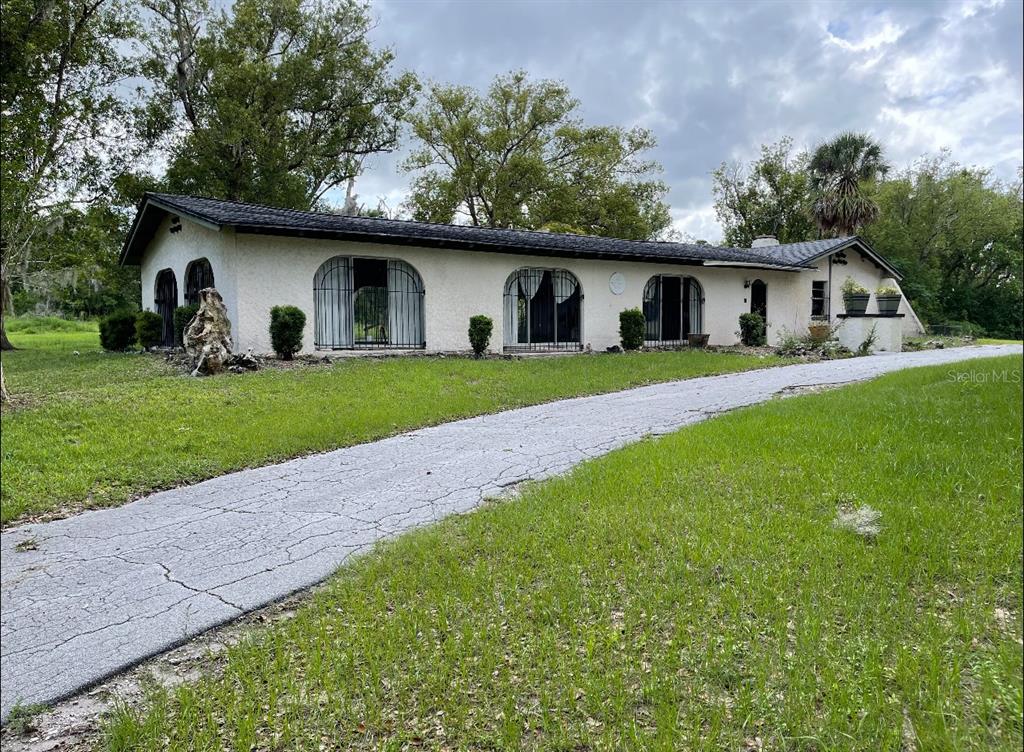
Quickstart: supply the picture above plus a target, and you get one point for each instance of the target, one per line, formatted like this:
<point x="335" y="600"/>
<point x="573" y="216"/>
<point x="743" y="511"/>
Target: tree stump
<point x="207" y="338"/>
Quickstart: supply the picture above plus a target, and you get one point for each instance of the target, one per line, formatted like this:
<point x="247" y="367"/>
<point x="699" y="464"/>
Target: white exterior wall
<point x="174" y="251"/>
<point x="459" y="284"/>
<point x="256" y="272"/>
<point x="888" y="332"/>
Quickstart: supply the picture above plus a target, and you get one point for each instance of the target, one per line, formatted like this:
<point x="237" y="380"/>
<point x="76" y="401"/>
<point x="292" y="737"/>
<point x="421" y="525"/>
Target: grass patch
<point x="48" y="325"/>
<point x="96" y="428"/>
<point x="692" y="592"/>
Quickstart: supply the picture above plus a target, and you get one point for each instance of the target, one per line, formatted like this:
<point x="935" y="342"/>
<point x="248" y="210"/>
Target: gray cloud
<point x="715" y="80"/>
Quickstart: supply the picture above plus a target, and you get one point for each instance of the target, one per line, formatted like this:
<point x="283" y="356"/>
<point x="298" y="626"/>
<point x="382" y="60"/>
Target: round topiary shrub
<point x="183" y="315"/>
<point x="631" y="328"/>
<point x="149" y="329"/>
<point x="117" y="331"/>
<point x="480" y="328"/>
<point x="286" y="325"/>
<point x="752" y="331"/>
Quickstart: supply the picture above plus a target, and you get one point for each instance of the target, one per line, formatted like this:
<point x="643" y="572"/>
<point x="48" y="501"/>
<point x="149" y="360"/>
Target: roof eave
<point x="756" y="265"/>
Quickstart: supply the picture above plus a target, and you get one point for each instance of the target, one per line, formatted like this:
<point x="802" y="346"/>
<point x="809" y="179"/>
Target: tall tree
<point x="71" y="121"/>
<point x="841" y="171"/>
<point x="519" y="156"/>
<point x="956" y="233"/>
<point x="280" y="100"/>
<point x="768" y="197"/>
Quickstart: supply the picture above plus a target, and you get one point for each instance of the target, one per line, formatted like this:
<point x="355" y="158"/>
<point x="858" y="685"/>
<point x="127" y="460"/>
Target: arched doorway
<point x="543" y="310"/>
<point x="198" y="276"/>
<point x="367" y="303"/>
<point x="673" y="309"/>
<point x="165" y="300"/>
<point x="759" y="298"/>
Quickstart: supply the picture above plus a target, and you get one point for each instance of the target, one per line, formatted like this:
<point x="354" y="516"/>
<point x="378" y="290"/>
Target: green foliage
<point x="752" y="330"/>
<point x="888" y="290"/>
<point x="768" y="197"/>
<point x="631" y="328"/>
<point x="796" y="635"/>
<point x="956" y="234"/>
<point x="519" y="156"/>
<point x="286" y="325"/>
<point x="182" y="316"/>
<point x="281" y="100"/>
<point x="70" y="126"/>
<point x="841" y="173"/>
<point x="480" y="328"/>
<point x="149" y="329"/>
<point x="47" y="325"/>
<point x="851" y="286"/>
<point x="117" y="331"/>
<point x="864" y="348"/>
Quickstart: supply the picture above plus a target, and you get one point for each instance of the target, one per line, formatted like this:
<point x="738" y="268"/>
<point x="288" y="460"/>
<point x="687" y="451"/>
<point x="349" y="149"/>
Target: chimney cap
<point x="762" y="241"/>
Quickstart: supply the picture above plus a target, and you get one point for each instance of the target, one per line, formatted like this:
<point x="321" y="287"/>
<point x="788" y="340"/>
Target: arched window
<point x="367" y="303"/>
<point x="198" y="276"/>
<point x="543" y="310"/>
<point x="673" y="309"/>
<point x="165" y="300"/>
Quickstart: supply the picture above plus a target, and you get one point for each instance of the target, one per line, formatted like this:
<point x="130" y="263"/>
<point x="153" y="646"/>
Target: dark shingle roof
<point x="253" y="218"/>
<point x="802" y="254"/>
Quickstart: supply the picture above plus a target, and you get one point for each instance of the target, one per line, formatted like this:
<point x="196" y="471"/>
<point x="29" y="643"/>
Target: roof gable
<point x="803" y="254"/>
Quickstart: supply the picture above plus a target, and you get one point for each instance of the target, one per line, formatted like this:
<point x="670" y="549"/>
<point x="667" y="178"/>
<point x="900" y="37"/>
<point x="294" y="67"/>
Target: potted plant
<point x="698" y="340"/>
<point x="819" y="330"/>
<point x="855" y="297"/>
<point x="888" y="298"/>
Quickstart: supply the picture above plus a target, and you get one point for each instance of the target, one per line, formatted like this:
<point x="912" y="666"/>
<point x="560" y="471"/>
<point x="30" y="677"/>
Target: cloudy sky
<point x="714" y="80"/>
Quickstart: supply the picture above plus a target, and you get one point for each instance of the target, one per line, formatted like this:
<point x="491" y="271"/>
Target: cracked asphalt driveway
<point x="104" y="590"/>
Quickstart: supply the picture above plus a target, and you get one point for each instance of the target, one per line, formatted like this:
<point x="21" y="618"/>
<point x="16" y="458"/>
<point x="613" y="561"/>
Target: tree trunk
<point x="3" y="385"/>
<point x="6" y="304"/>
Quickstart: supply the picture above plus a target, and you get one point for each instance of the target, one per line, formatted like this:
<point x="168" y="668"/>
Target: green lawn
<point x="95" y="428"/>
<point x="689" y="592"/>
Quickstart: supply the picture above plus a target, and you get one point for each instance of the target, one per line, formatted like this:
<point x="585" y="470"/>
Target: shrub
<point x="183" y="315"/>
<point x="631" y="328"/>
<point x="149" y="329"/>
<point x="286" y="325"/>
<point x="117" y="331"/>
<point x="480" y="328"/>
<point x="752" y="333"/>
<point x="888" y="290"/>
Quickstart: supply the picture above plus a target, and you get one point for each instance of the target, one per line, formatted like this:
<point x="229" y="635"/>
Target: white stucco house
<point x="370" y="284"/>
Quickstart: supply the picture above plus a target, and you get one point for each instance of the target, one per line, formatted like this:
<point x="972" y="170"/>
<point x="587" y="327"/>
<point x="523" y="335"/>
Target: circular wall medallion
<point x="617" y="283"/>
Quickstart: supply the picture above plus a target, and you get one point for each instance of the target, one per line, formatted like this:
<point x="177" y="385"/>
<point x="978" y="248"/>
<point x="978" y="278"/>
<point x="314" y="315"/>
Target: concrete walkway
<point x="96" y="593"/>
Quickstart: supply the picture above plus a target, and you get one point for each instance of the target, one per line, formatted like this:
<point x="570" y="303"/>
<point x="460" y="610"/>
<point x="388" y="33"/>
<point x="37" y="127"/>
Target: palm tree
<point x="839" y="170"/>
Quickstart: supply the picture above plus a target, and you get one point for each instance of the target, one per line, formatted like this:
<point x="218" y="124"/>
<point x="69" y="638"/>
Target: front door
<point x="759" y="299"/>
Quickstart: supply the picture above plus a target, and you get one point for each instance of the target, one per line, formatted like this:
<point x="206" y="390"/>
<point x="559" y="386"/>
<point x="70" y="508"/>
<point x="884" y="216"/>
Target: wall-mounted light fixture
<point x="746" y="284"/>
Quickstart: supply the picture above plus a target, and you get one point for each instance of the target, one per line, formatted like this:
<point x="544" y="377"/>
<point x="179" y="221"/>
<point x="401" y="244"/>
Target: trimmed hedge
<point x="631" y="328"/>
<point x="117" y="331"/>
<point x="752" y="330"/>
<point x="149" y="329"/>
<point x="480" y="328"/>
<point x="286" y="325"/>
<point x="183" y="315"/>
